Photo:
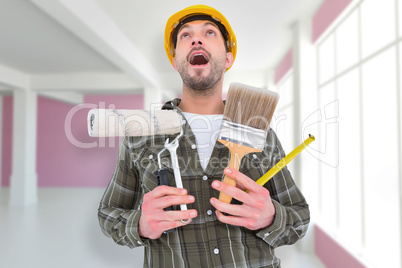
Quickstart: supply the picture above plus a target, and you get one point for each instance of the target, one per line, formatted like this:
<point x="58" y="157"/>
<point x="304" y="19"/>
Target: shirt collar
<point x="173" y="104"/>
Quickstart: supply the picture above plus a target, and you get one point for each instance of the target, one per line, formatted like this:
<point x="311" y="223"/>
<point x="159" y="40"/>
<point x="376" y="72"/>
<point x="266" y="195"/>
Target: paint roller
<point x="120" y="122"/>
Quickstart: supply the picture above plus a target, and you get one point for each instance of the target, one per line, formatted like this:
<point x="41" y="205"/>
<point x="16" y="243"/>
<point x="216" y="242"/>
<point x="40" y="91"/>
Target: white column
<point x="23" y="186"/>
<point x="1" y="140"/>
<point x="152" y="98"/>
<point x="306" y="166"/>
<point x="271" y="80"/>
<point x="304" y="86"/>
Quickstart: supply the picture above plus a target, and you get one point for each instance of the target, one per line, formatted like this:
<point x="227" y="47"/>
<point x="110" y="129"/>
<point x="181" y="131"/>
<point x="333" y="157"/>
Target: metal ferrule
<point x="243" y="135"/>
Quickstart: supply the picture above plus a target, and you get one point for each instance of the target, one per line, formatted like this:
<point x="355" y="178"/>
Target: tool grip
<point x="234" y="163"/>
<point x="237" y="152"/>
<point x="162" y="176"/>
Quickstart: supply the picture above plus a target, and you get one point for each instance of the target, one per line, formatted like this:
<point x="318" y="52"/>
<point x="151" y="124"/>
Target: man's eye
<point x="210" y="33"/>
<point x="185" y="35"/>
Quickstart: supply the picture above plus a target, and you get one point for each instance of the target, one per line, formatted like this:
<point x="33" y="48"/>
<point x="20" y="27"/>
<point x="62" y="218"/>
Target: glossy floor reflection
<point x="62" y="231"/>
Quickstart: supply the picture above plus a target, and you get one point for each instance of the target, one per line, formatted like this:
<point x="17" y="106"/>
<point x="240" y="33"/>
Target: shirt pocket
<point x="254" y="165"/>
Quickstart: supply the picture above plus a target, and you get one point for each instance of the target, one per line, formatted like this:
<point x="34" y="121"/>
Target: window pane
<point x="347" y="43"/>
<point x="328" y="141"/>
<point x="285" y="91"/>
<point x="400" y="16"/>
<point x="378" y="25"/>
<point x="350" y="201"/>
<point x="328" y="124"/>
<point x="326" y="64"/>
<point x="283" y="122"/>
<point x="381" y="197"/>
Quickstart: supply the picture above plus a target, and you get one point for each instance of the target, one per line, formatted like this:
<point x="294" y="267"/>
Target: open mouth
<point x="198" y="59"/>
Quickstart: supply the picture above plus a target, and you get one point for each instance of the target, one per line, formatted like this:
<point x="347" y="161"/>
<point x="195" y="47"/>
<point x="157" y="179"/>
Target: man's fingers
<point x="233" y="220"/>
<point x="240" y="186"/>
<point x="235" y="210"/>
<point x="173" y="200"/>
<point x="245" y="181"/>
<point x="164" y="190"/>
<point x="167" y="225"/>
<point x="177" y="215"/>
<point x="232" y="191"/>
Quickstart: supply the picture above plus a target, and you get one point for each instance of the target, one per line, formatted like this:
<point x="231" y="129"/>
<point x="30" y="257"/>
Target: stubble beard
<point x="199" y="85"/>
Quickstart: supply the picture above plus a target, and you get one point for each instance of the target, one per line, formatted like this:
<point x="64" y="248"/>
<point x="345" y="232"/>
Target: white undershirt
<point x="206" y="129"/>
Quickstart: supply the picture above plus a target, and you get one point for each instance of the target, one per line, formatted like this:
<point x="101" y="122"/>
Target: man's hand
<point x="257" y="210"/>
<point x="154" y="220"/>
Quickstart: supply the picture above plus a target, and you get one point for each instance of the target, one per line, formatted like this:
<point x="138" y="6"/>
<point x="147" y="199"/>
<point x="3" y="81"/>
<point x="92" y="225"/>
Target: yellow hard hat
<point x="217" y="18"/>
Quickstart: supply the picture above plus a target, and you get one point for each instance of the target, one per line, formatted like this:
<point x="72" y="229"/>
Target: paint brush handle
<point x="234" y="163"/>
<point x="284" y="161"/>
<point x="237" y="152"/>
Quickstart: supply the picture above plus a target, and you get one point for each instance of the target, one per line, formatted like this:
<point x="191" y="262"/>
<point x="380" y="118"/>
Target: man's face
<point x="201" y="57"/>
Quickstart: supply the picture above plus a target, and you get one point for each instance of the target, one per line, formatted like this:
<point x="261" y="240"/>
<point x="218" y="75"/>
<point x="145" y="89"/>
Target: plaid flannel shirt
<point x="205" y="242"/>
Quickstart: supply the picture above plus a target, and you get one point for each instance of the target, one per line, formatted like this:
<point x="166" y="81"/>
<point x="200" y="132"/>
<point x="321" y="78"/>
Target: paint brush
<point x="246" y="119"/>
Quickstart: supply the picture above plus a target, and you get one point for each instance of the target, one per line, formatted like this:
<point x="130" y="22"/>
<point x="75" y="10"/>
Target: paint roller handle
<point x="162" y="175"/>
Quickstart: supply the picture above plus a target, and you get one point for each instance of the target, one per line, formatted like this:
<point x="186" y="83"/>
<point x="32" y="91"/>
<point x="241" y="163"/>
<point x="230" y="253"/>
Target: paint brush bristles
<point x="246" y="119"/>
<point x="250" y="106"/>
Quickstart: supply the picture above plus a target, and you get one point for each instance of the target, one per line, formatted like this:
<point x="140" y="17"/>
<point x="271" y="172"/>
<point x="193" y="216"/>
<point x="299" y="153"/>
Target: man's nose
<point x="197" y="42"/>
<point x="197" y="39"/>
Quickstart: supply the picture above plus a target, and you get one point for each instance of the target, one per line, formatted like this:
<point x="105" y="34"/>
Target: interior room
<point x="325" y="58"/>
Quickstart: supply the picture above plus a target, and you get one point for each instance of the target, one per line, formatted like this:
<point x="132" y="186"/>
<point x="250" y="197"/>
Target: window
<point x="358" y="83"/>
<point x="283" y="120"/>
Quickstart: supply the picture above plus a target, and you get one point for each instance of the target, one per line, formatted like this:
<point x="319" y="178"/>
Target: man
<point x="201" y="46"/>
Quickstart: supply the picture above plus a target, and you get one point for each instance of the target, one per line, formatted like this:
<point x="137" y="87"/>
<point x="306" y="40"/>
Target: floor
<point x="62" y="231"/>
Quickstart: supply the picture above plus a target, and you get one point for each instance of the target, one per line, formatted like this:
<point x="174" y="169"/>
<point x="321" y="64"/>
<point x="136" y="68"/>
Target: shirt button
<point x="254" y="156"/>
<point x="209" y="212"/>
<point x="204" y="177"/>
<point x="193" y="146"/>
<point x="151" y="156"/>
<point x="216" y="251"/>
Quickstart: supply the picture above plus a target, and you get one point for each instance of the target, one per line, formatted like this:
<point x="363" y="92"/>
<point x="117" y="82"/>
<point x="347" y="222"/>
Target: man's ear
<point x="229" y="59"/>
<point x="174" y="63"/>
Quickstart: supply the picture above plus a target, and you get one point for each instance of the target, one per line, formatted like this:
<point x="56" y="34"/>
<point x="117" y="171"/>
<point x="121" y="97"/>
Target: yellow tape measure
<point x="284" y="161"/>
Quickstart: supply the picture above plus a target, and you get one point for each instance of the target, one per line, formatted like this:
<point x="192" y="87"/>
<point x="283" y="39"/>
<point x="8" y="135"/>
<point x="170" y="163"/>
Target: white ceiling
<point x="66" y="39"/>
<point x="34" y="43"/>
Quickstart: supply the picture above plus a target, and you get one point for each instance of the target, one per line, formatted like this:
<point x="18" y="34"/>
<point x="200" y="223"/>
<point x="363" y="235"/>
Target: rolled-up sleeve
<point x="120" y="208"/>
<point x="292" y="214"/>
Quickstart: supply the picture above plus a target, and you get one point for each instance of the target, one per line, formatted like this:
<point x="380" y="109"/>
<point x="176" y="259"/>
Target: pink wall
<point x="284" y="66"/>
<point x="326" y="14"/>
<point x="322" y="19"/>
<point x="61" y="160"/>
<point x="331" y="253"/>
